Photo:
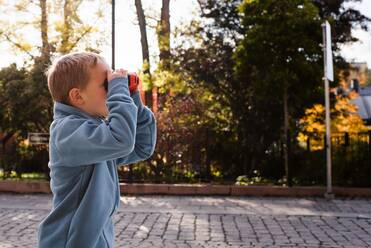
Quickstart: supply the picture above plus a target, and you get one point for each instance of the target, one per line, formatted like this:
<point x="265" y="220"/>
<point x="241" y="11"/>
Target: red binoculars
<point x="133" y="81"/>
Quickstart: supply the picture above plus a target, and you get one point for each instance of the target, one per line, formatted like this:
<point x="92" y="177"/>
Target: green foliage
<point x="182" y="135"/>
<point x="227" y="77"/>
<point x="245" y="53"/>
<point x="191" y="176"/>
<point x="19" y="90"/>
<point x="256" y="179"/>
<point x="242" y="180"/>
<point x="280" y="50"/>
<point x="13" y="175"/>
<point x="217" y="174"/>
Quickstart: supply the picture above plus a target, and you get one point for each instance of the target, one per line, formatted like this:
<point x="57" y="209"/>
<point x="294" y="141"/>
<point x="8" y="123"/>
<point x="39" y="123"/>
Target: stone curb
<point x="198" y="189"/>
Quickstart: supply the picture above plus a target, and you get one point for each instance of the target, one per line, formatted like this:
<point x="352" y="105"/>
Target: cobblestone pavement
<point x="183" y="221"/>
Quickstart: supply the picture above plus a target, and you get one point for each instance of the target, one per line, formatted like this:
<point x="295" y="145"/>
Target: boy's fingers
<point x="116" y="73"/>
<point x="121" y="71"/>
<point x="110" y="74"/>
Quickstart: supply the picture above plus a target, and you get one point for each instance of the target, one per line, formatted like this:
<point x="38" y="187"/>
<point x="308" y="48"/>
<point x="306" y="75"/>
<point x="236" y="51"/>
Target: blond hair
<point x="70" y="71"/>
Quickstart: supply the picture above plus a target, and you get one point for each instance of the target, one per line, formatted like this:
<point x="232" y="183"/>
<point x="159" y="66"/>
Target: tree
<point x="145" y="50"/>
<point x="163" y="35"/>
<point x="204" y="59"/>
<point x="282" y="38"/>
<point x="20" y="89"/>
<point x="45" y="47"/>
<point x="343" y="19"/>
<point x="27" y="86"/>
<point x="67" y="33"/>
<point x="263" y="63"/>
<point x="163" y="38"/>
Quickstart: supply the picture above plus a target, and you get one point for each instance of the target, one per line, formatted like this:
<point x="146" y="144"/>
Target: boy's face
<point x="95" y="95"/>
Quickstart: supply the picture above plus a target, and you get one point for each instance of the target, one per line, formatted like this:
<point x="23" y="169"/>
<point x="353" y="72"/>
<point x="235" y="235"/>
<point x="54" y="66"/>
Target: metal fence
<point x="351" y="159"/>
<point x="351" y="155"/>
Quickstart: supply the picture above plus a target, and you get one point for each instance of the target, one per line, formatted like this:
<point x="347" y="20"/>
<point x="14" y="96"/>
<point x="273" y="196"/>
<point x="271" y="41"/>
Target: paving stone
<point x="186" y="221"/>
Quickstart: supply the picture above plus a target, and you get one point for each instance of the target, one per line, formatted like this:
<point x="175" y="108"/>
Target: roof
<point x="363" y="102"/>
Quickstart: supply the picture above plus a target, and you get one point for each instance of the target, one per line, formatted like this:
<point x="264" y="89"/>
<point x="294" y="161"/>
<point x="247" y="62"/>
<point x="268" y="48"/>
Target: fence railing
<point x="351" y="154"/>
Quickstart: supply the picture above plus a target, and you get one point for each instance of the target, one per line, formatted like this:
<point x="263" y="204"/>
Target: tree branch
<point x="16" y="44"/>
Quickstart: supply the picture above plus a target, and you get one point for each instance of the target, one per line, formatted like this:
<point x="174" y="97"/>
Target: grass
<point x="24" y="176"/>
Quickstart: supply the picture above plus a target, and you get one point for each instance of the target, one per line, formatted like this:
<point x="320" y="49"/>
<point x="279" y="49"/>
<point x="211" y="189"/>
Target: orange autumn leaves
<point x="344" y="118"/>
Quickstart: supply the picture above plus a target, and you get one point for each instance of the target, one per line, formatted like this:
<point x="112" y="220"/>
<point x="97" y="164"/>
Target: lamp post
<point x="113" y="34"/>
<point x="328" y="75"/>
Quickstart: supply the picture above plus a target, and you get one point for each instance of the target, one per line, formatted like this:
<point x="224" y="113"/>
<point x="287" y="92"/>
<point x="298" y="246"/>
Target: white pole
<point x="113" y="34"/>
<point x="329" y="193"/>
<point x="328" y="139"/>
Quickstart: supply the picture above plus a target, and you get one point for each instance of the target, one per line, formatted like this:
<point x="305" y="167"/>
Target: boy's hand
<point x="112" y="74"/>
<point x="116" y="73"/>
<point x="133" y="79"/>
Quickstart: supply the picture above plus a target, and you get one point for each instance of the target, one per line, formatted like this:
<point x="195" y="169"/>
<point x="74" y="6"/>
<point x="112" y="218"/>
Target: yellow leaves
<point x="164" y="159"/>
<point x="17" y="42"/>
<point x="250" y="1"/>
<point x="71" y="37"/>
<point x="100" y="13"/>
<point x="245" y="4"/>
<point x="166" y="80"/>
<point x="24" y="143"/>
<point x="344" y="118"/>
<point x="59" y="26"/>
<point x="313" y="119"/>
<point x="71" y="28"/>
<point x="21" y="6"/>
<point x="25" y="46"/>
<point x="317" y="108"/>
<point x="347" y="118"/>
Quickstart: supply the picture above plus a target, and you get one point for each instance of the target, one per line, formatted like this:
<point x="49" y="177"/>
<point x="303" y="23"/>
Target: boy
<point x="85" y="149"/>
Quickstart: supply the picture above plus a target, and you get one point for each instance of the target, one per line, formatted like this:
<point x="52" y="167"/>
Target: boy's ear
<point x="76" y="97"/>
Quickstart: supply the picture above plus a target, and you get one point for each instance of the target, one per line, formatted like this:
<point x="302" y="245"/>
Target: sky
<point x="361" y="50"/>
<point x="128" y="46"/>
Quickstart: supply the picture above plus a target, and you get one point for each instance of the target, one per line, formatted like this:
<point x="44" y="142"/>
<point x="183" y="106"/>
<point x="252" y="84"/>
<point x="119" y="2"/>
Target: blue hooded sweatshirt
<point x="85" y="152"/>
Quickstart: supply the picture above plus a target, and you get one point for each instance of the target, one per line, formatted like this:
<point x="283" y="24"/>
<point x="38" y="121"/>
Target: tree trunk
<point x="163" y="36"/>
<point x="286" y="137"/>
<point x="207" y="157"/>
<point x="163" y="32"/>
<point x="67" y="13"/>
<point x="145" y="51"/>
<point x="45" y="49"/>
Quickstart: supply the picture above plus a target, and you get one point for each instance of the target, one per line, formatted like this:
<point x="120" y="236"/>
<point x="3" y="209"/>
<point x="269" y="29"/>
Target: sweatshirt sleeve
<point x="82" y="141"/>
<point x="146" y="134"/>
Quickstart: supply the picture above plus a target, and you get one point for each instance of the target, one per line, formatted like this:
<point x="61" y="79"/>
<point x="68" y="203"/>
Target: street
<point x="175" y="221"/>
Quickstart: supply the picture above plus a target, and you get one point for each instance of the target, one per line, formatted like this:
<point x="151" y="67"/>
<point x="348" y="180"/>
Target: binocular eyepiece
<point x="106" y="84"/>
